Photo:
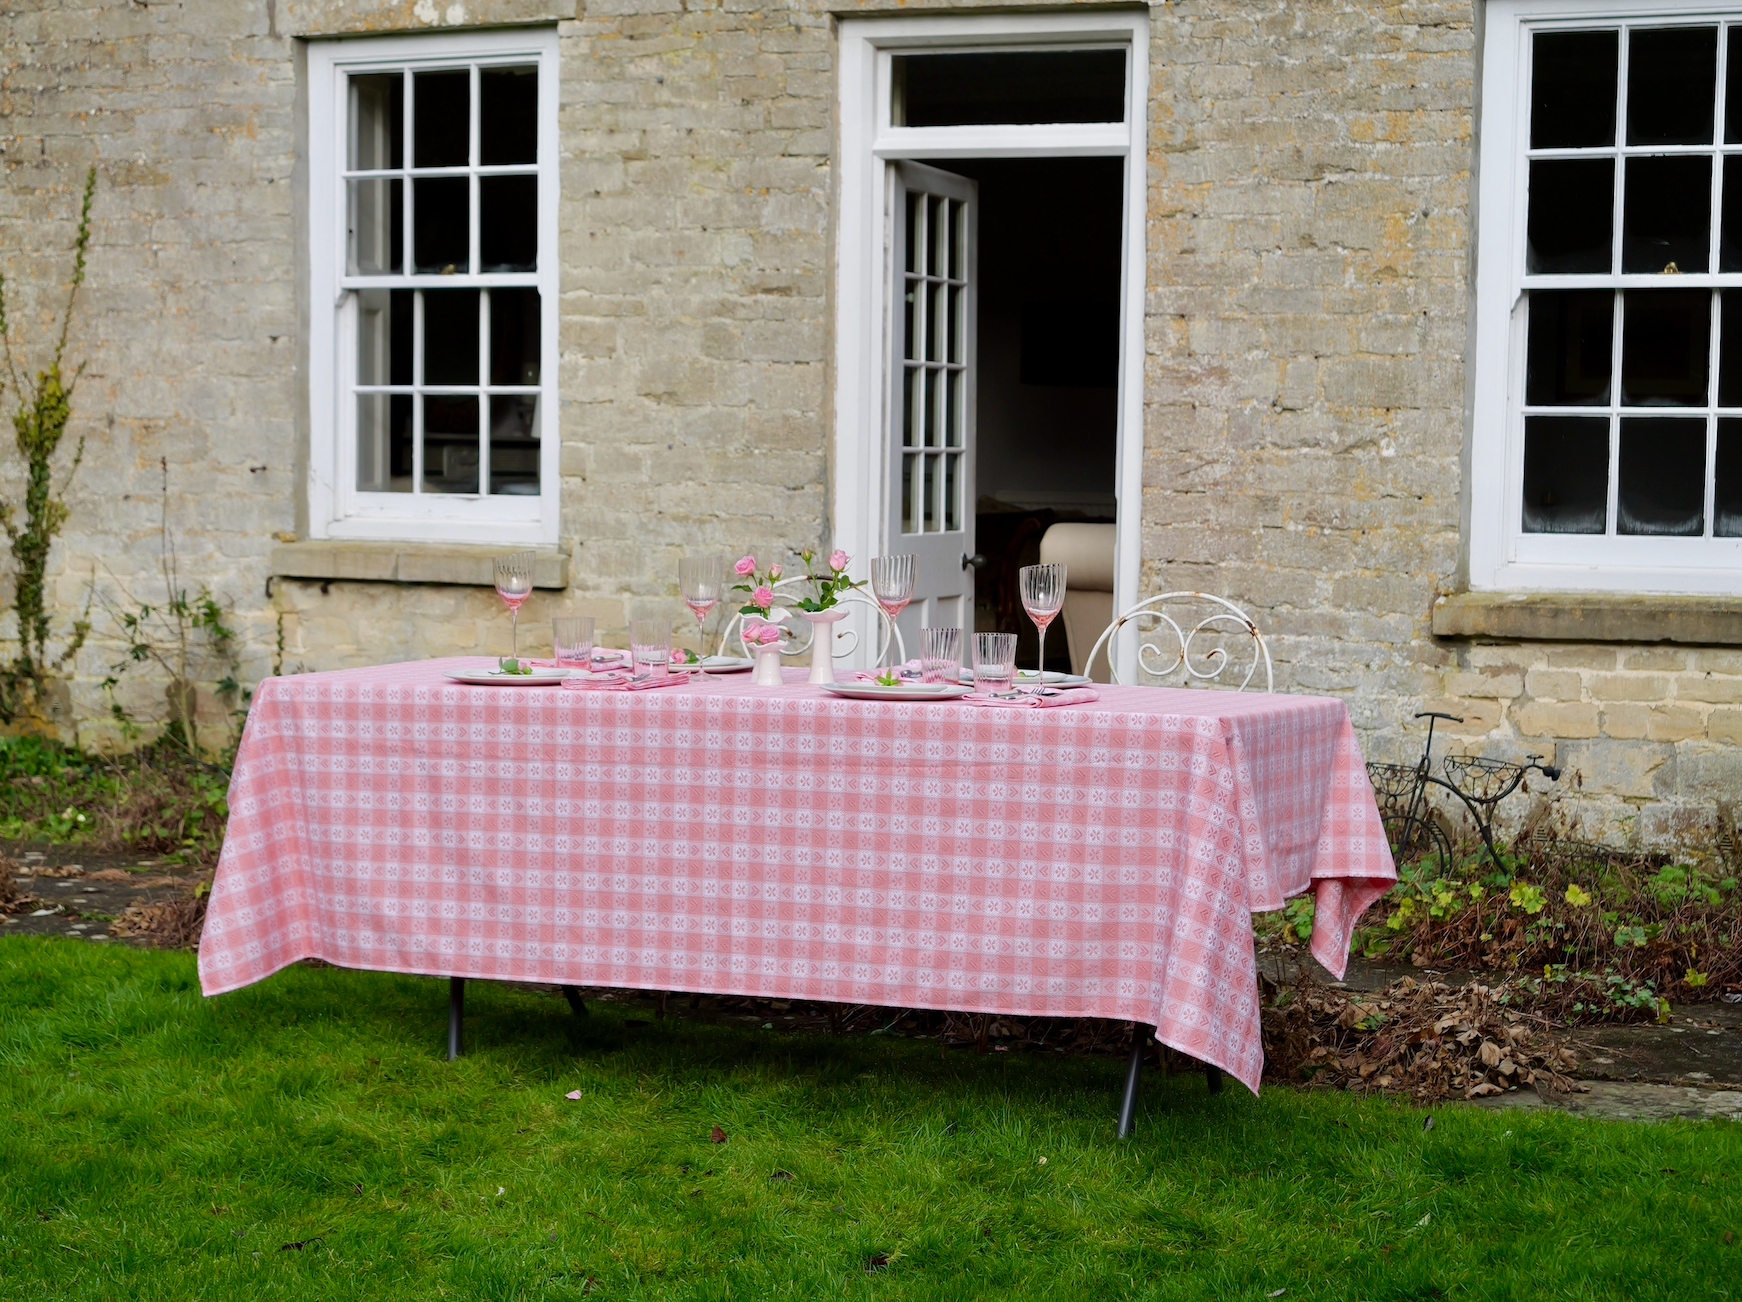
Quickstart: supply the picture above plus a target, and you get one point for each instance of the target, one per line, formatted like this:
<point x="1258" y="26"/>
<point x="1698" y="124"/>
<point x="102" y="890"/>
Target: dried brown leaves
<point x="13" y="897"/>
<point x="1429" y="1041"/>
<point x="166" y="924"/>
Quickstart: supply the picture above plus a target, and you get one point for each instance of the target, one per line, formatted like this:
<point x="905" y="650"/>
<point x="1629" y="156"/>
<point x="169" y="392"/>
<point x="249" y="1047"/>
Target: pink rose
<point x="768" y="634"/>
<point x="746" y="566"/>
<point x="763" y="596"/>
<point x="774" y="571"/>
<point x="838" y="560"/>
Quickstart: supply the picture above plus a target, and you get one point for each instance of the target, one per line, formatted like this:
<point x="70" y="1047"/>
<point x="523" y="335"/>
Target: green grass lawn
<point x="161" y="1145"/>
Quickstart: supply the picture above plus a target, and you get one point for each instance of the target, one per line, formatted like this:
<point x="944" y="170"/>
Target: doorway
<point x="990" y="302"/>
<point x="1047" y="379"/>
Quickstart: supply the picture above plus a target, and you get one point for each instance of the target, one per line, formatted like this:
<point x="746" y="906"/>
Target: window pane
<point x="1666" y="217"/>
<point x="946" y="90"/>
<point x="1730" y="230"/>
<point x="1566" y="474"/>
<point x="441" y="224"/>
<point x="1662" y="477"/>
<point x="1572" y="89"/>
<point x="514" y="445"/>
<point x="442" y="118"/>
<point x="507" y="116"/>
<point x="508" y="223"/>
<point x="450" y="337"/>
<point x="1572" y="216"/>
<point x="377" y="226"/>
<point x="384" y="442"/>
<point x="1672" y="76"/>
<point x="1727" y="492"/>
<point x="1665" y="348"/>
<point x="514" y="336"/>
<point x="1730" y="349"/>
<point x="1571" y="348"/>
<point x="384" y="336"/>
<point x="450" y="444"/>
<point x="377" y="121"/>
<point x="1733" y="90"/>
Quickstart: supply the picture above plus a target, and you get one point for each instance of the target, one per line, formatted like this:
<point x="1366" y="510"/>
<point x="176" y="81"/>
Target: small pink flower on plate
<point x="746" y="566"/>
<point x="572" y="1094"/>
<point x="838" y="560"/>
<point x="763" y="596"/>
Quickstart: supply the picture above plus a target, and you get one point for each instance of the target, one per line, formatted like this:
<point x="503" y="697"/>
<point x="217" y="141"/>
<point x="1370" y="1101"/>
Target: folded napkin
<point x="907" y="672"/>
<point x="601" y="660"/>
<point x="622" y="682"/>
<point x="1030" y="701"/>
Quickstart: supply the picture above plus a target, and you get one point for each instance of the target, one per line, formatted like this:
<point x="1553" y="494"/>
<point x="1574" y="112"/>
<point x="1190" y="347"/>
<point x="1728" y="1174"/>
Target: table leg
<point x="1213" y="1078"/>
<point x="1128" y="1105"/>
<point x="576" y="1003"/>
<point x="456" y="1010"/>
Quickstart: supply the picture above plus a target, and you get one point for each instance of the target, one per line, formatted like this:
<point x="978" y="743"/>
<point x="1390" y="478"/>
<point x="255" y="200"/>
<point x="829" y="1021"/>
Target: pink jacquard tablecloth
<point x="1097" y="860"/>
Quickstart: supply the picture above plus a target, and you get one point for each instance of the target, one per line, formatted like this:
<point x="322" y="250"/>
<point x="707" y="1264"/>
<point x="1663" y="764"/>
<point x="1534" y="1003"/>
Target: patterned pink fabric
<point x="1098" y="860"/>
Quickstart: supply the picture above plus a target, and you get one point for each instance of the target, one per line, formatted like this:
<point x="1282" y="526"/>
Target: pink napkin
<point x="622" y="682"/>
<point x="1068" y="696"/>
<point x="908" y="672"/>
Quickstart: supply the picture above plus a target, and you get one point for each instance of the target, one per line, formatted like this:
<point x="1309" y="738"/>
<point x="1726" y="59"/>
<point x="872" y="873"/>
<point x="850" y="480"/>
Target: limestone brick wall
<point x="1309" y="179"/>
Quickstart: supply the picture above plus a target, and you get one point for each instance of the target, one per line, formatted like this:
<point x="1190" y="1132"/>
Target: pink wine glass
<point x="514" y="586"/>
<point x="698" y="577"/>
<point x="1043" y="593"/>
<point x="892" y="583"/>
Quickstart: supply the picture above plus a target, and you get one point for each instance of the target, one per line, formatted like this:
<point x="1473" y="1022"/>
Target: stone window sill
<point x="1589" y="617"/>
<point x="396" y="562"/>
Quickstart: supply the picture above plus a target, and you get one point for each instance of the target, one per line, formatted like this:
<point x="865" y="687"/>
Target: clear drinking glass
<point x="940" y="659"/>
<point x="650" y="646"/>
<point x="1043" y="592"/>
<point x="698" y="577"/>
<point x="994" y="661"/>
<point x="514" y="585"/>
<point x="892" y="583"/>
<point x="572" y="637"/>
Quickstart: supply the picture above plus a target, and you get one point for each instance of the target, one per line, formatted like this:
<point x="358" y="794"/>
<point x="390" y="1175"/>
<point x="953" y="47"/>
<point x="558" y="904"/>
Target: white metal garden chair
<point x="1196" y="651"/>
<point x="787" y="593"/>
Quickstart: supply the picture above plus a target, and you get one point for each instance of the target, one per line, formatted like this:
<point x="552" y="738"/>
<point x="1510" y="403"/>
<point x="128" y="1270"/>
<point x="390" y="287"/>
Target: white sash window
<point x="433" y="264"/>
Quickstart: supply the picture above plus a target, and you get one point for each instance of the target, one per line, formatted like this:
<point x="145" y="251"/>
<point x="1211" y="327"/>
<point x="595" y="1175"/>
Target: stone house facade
<point x="1320" y="388"/>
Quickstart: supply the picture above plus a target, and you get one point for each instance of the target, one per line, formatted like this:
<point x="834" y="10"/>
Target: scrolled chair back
<point x="1222" y="648"/>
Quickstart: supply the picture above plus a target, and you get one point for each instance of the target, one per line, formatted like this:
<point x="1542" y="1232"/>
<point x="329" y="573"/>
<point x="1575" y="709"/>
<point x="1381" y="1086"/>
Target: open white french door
<point x="933" y="269"/>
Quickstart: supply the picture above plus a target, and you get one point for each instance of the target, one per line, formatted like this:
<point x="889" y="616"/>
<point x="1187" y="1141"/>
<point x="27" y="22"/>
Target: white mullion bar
<point x="417" y="391"/>
<point x="473" y="215"/>
<point x="1625" y="41"/>
<point x="1711" y="466"/>
<point x="407" y="262"/>
<point x="483" y="391"/>
<point x="1611" y="517"/>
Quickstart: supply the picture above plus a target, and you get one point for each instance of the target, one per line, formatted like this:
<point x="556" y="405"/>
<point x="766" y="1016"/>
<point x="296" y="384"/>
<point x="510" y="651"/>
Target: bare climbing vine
<point x="39" y="423"/>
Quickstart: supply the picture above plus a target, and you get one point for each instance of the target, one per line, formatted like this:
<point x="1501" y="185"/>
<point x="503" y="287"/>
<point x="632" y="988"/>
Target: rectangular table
<point x="1098" y="860"/>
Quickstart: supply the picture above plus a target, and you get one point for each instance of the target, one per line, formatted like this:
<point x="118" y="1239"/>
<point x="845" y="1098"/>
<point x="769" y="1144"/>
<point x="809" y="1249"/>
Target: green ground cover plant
<point x="303" y="1138"/>
<point x="156" y="800"/>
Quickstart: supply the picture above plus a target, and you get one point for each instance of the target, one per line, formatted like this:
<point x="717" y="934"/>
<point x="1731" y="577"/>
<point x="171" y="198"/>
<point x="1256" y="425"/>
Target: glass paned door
<point x="932" y="248"/>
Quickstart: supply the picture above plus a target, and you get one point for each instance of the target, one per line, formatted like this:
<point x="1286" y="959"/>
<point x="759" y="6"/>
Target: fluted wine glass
<point x="698" y="578"/>
<point x="1043" y="593"/>
<point x="892" y="584"/>
<point x="514" y="586"/>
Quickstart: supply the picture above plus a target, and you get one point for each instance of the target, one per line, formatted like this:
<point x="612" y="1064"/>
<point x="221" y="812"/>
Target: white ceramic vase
<point x="767" y="656"/>
<point x="823" y="641"/>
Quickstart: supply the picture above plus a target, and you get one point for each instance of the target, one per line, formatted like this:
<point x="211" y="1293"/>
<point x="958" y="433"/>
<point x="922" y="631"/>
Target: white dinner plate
<point x="496" y="678"/>
<point x="726" y="664"/>
<point x="1053" y="677"/>
<point x="904" y="692"/>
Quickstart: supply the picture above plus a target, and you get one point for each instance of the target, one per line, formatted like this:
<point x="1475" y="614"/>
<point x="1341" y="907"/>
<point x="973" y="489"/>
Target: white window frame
<point x="336" y="508"/>
<point x="869" y="144"/>
<point x="1501" y="556"/>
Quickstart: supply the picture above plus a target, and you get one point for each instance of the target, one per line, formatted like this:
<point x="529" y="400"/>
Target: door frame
<point x="866" y="149"/>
